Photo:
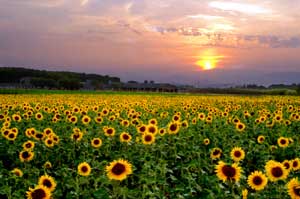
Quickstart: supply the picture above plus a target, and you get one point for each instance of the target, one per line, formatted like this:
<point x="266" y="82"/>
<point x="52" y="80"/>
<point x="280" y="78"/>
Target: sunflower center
<point x="76" y="136"/>
<point x="237" y="154"/>
<point x="39" y="136"/>
<point x="125" y="137"/>
<point x="277" y="172"/>
<point x="295" y="164"/>
<point x="17" y="173"/>
<point x="216" y="152"/>
<point x="286" y="165"/>
<point x="96" y="142"/>
<point x="240" y="126"/>
<point x="109" y="131"/>
<point x="152" y="130"/>
<point x="297" y="190"/>
<point x="257" y="180"/>
<point x="11" y="135"/>
<point x="28" y="145"/>
<point x="228" y="171"/>
<point x="118" y="169"/>
<point x="282" y="141"/>
<point x="25" y="154"/>
<point x="148" y="138"/>
<point x="38" y="194"/>
<point x="84" y="169"/>
<point x="173" y="127"/>
<point x="47" y="183"/>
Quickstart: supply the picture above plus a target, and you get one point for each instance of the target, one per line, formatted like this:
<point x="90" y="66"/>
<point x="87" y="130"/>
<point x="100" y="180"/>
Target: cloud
<point x="239" y="7"/>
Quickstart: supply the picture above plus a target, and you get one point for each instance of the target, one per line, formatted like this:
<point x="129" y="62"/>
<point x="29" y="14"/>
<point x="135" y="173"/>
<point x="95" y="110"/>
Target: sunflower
<point x="244" y="194"/>
<point x="110" y="131"/>
<point x="153" y="121"/>
<point x="201" y="116"/>
<point x="287" y="165"/>
<point x="73" y="119"/>
<point x="48" y="182"/>
<point x="275" y="171"/>
<point x="194" y="120"/>
<point x="295" y="164"/>
<point x="240" y="126"/>
<point x="162" y="131"/>
<point x="47" y="165"/>
<point x="283" y="142"/>
<point x="293" y="187"/>
<point x="85" y="120"/>
<point x="206" y="141"/>
<point x="173" y="127"/>
<point x="26" y="156"/>
<point x="11" y="136"/>
<point x="152" y="129"/>
<point x="55" y="138"/>
<point x="215" y="153"/>
<point x="176" y="118"/>
<point x="237" y="154"/>
<point x="49" y="142"/>
<point x="125" y="123"/>
<point x="257" y="180"/>
<point x="28" y="145"/>
<point x="148" y="138"/>
<point x="77" y="136"/>
<point x="48" y="131"/>
<point x="39" y="192"/>
<point x="98" y="120"/>
<point x="39" y="116"/>
<point x="261" y="139"/>
<point x="142" y="128"/>
<point x="125" y="137"/>
<point x="84" y="169"/>
<point x="277" y="118"/>
<point x="16" y="118"/>
<point x="39" y="136"/>
<point x="228" y="172"/>
<point x="96" y="142"/>
<point x="17" y="172"/>
<point x="118" y="170"/>
<point x="185" y="124"/>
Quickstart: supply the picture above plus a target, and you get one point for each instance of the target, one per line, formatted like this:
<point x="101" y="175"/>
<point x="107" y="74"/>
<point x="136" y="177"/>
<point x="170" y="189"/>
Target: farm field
<point x="149" y="146"/>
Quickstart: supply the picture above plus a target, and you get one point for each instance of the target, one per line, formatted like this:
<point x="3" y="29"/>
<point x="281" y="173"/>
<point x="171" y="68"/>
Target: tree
<point x="69" y="84"/>
<point x="298" y="89"/>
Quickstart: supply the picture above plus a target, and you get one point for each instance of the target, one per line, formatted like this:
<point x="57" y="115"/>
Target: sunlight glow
<point x="208" y="60"/>
<point x="84" y="2"/>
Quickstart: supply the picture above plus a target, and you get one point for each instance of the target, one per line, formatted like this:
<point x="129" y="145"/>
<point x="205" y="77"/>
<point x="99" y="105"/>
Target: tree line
<point x="52" y="79"/>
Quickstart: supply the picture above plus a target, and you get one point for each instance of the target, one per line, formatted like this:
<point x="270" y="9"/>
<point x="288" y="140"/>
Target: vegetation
<point x="51" y="79"/>
<point x="149" y="146"/>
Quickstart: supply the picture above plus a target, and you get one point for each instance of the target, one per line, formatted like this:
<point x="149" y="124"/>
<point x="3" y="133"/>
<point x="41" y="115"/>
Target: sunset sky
<point x="198" y="42"/>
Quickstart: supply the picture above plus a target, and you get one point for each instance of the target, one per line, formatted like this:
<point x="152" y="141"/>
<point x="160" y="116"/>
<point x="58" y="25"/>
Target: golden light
<point x="207" y="64"/>
<point x="208" y="60"/>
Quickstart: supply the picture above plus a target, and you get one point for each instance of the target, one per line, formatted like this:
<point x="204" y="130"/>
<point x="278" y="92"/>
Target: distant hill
<point x="24" y="77"/>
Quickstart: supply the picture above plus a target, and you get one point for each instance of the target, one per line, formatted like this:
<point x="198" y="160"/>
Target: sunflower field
<point x="149" y="146"/>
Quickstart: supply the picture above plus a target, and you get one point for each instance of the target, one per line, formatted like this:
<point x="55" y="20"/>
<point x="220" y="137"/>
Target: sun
<point x="209" y="59"/>
<point x="207" y="64"/>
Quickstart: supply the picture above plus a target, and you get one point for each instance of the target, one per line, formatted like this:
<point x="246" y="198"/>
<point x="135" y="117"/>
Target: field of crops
<point x="149" y="146"/>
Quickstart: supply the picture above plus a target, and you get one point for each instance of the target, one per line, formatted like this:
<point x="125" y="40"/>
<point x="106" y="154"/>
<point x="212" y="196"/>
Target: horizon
<point x="195" y="43"/>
